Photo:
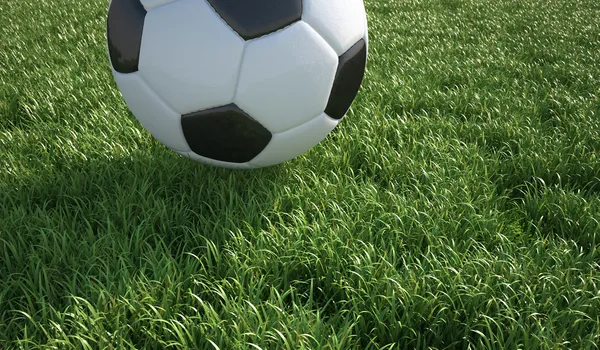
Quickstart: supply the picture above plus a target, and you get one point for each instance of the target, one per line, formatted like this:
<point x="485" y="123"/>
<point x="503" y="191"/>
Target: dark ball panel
<point x="349" y="77"/>
<point x="254" y="18"/>
<point x="225" y="133"/>
<point x="124" y="34"/>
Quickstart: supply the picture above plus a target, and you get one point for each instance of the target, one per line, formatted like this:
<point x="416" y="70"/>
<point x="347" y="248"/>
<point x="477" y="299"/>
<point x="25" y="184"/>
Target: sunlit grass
<point x="457" y="206"/>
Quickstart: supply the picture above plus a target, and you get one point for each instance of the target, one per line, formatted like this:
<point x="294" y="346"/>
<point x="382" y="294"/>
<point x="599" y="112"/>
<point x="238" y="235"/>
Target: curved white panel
<point x="340" y="22"/>
<point x="367" y="33"/>
<point x="154" y="115"/>
<point x="292" y="143"/>
<point x="213" y="162"/>
<point x="150" y="4"/>
<point x="190" y="56"/>
<point x="286" y="77"/>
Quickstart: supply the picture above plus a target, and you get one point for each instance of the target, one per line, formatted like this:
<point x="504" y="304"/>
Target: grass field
<point x="457" y="205"/>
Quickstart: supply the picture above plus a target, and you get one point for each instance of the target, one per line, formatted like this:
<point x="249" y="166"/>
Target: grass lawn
<point x="457" y="205"/>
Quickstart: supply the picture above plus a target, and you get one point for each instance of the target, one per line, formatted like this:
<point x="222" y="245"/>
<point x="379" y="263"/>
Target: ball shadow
<point x="73" y="218"/>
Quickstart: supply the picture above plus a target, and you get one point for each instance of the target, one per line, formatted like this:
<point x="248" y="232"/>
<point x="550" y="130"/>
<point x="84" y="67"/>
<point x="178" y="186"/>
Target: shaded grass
<point x="455" y="207"/>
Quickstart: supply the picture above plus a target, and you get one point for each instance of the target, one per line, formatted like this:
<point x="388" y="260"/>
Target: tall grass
<point x="457" y="205"/>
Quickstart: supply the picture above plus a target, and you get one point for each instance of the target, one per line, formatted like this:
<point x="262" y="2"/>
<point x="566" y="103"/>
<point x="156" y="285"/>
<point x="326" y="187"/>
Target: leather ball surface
<point x="238" y="84"/>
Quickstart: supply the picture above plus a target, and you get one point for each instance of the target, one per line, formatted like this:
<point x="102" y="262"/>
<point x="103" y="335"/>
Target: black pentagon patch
<point x="124" y="34"/>
<point x="254" y="18"/>
<point x="349" y="77"/>
<point x="225" y="133"/>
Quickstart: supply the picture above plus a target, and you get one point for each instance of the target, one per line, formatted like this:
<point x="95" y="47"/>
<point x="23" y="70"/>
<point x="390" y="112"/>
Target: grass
<point x="457" y="206"/>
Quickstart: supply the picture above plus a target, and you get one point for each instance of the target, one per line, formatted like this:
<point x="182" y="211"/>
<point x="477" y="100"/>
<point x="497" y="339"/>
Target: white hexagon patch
<point x="340" y="22"/>
<point x="189" y="56"/>
<point x="286" y="77"/>
<point x="148" y="108"/>
<point x="150" y="4"/>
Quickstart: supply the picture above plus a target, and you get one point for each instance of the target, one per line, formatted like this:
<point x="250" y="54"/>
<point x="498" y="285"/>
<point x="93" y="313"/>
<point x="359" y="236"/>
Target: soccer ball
<point x="238" y="83"/>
